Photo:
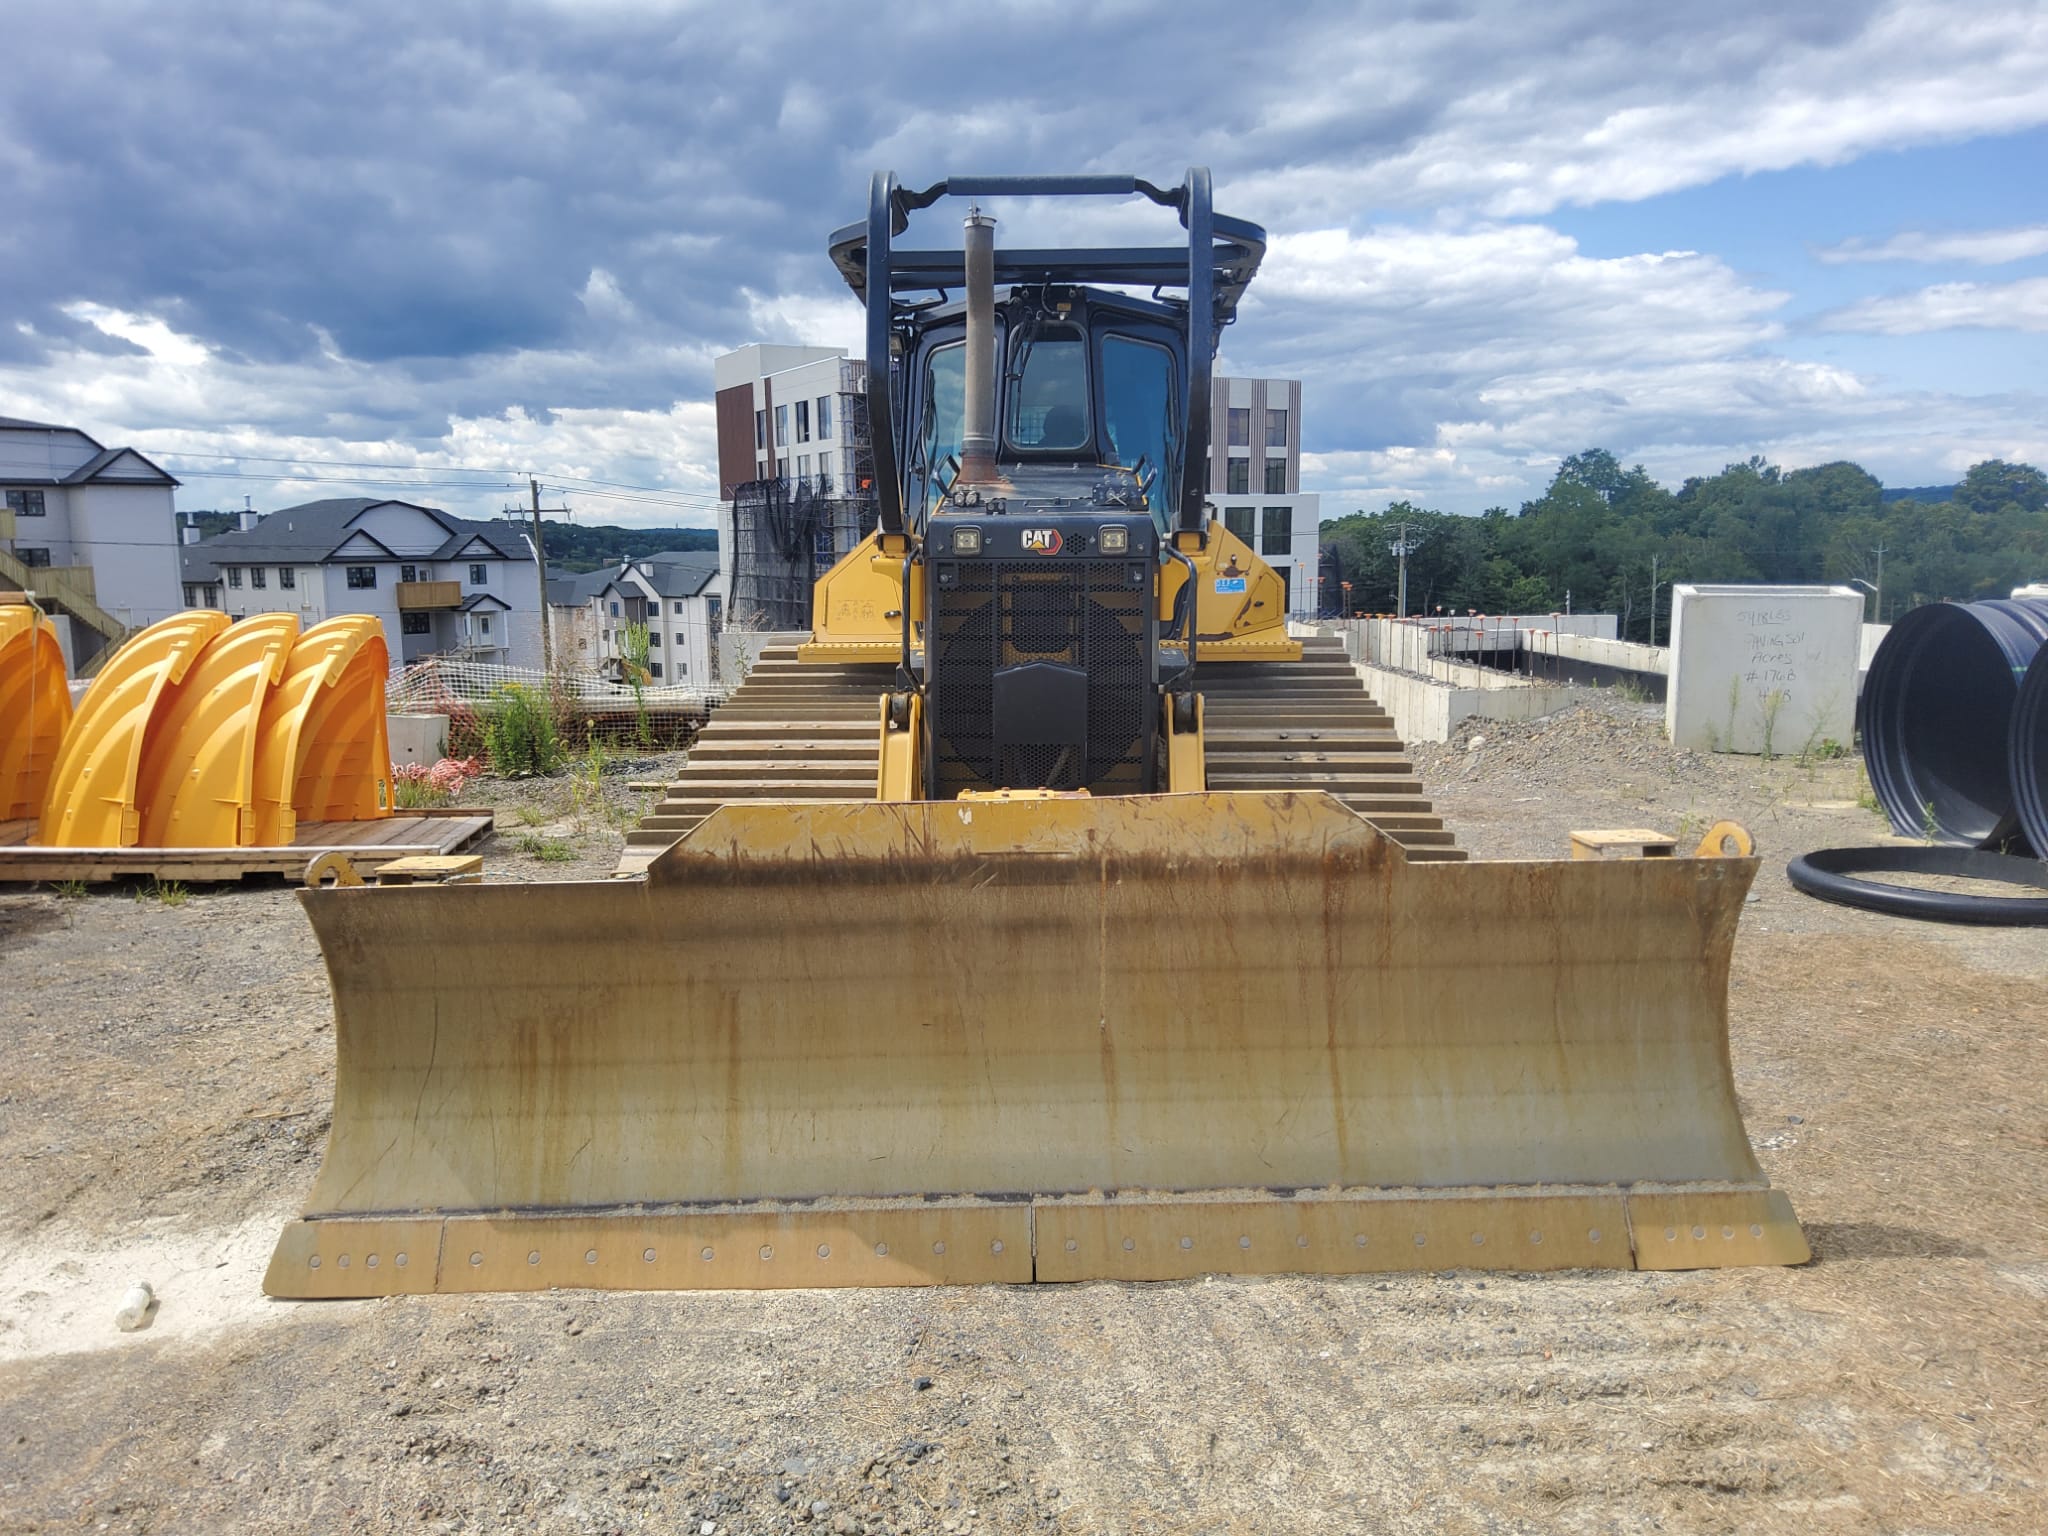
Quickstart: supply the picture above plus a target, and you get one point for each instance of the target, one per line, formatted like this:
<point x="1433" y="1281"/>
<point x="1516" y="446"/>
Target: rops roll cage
<point x="1214" y="267"/>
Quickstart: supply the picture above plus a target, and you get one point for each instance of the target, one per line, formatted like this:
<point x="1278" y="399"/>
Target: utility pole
<point x="1401" y="547"/>
<point x="540" y="562"/>
<point x="1653" y="601"/>
<point x="1879" y="552"/>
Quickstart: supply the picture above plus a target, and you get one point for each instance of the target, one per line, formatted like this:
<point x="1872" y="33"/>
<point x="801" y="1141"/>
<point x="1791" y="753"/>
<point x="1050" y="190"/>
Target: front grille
<point x="994" y="614"/>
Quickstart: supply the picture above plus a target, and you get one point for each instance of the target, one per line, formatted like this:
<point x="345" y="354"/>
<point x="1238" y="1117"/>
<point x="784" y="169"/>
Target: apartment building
<point x="794" y="469"/>
<point x="440" y="584"/>
<point x="1255" y="480"/>
<point x="678" y="596"/>
<point x="91" y="530"/>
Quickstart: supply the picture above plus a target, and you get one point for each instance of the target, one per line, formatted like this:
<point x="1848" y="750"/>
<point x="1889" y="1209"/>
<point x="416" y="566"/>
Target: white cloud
<point x="145" y="331"/>
<point x="2016" y="306"/>
<point x="1982" y="247"/>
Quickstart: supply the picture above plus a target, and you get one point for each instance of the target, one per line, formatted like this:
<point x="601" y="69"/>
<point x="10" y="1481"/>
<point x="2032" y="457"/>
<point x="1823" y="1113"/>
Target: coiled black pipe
<point x="1937" y="718"/>
<point x="2027" y="754"/>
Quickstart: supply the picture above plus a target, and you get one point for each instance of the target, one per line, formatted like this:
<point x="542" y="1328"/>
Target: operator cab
<point x="1086" y="392"/>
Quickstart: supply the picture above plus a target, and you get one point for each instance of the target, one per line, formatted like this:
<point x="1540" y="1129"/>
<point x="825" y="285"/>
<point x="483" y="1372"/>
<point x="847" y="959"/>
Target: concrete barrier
<point x="1762" y="668"/>
<point x="1427" y="710"/>
<point x="417" y="738"/>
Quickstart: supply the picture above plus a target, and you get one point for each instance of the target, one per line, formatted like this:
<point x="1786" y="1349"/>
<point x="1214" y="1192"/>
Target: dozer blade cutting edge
<point x="1125" y="1038"/>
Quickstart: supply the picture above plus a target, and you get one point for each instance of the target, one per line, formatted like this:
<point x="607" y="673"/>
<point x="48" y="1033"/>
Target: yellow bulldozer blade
<point x="1136" y="1038"/>
<point x="35" y="708"/>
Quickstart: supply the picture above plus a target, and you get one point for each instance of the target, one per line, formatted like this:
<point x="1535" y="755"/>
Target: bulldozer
<point x="1051" y="914"/>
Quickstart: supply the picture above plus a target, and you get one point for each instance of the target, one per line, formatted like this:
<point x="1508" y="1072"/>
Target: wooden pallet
<point x="368" y="844"/>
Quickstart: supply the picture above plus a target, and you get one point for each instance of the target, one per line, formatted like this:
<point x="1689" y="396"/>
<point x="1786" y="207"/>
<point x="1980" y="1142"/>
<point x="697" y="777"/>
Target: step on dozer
<point x="1043" y="1003"/>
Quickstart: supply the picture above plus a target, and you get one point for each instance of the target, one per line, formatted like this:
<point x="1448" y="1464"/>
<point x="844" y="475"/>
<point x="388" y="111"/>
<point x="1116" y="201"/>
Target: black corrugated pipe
<point x="1937" y="718"/>
<point x="2027" y="754"/>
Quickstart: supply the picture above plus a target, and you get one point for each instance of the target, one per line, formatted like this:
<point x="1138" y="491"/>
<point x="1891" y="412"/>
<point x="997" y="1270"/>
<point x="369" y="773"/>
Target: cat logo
<point x="1042" y="541"/>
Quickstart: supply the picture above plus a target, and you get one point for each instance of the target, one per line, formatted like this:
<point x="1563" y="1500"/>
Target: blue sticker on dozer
<point x="1229" y="583"/>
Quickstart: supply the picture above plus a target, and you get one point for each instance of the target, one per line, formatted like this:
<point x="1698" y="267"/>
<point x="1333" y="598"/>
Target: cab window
<point x="1137" y="388"/>
<point x="945" y="411"/>
<point x="1049" y="399"/>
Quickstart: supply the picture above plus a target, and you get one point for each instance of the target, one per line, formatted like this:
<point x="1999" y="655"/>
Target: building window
<point x="25" y="503"/>
<point x="483" y="623"/>
<point x="682" y="669"/>
<point x="1239" y="521"/>
<point x="37" y="557"/>
<point x="1237" y="477"/>
<point x="1276" y="477"/>
<point x="824" y="416"/>
<point x="235" y="578"/>
<point x="408" y="573"/>
<point x="362" y="577"/>
<point x="478" y="576"/>
<point x="1276" y="534"/>
<point x="677" y="605"/>
<point x="414" y="623"/>
<point x="287" y="578"/>
<point x="679" y="642"/>
<point x="803" y="421"/>
<point x="1238" y="422"/>
<point x="824" y="481"/>
<point x="615" y="607"/>
<point x="782" y="467"/>
<point x="654" y="669"/>
<point x="782" y="426"/>
<point x="760" y="429"/>
<point x="1276" y="429"/>
<point x="803" y="471"/>
<point x="258" y="577"/>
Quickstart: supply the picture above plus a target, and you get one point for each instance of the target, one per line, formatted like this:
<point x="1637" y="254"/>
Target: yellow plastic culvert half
<point x="35" y="708"/>
<point x="90" y="801"/>
<point x="323" y="748"/>
<point x="196" y="786"/>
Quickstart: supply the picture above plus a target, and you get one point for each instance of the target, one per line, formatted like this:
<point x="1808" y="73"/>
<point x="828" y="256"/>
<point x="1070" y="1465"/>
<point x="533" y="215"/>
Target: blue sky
<point x="478" y="241"/>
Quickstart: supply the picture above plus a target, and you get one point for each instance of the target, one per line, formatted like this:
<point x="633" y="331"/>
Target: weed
<point x="1769" y="706"/>
<point x="69" y="890"/>
<point x="635" y="644"/>
<point x="586" y="782"/>
<point x="165" y="893"/>
<point x="549" y="850"/>
<point x="1632" y="689"/>
<point x="1929" y="827"/>
<point x="1734" y="703"/>
<point x="533" y="815"/>
<point x="1691" y="827"/>
<point x="519" y="732"/>
<point x="1866" y="797"/>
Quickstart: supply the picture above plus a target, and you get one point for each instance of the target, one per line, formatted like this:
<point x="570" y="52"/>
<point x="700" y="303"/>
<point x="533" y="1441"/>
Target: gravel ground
<point x="169" y="1071"/>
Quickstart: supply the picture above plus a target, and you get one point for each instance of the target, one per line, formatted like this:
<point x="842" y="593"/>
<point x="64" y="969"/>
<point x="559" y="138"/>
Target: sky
<point x="292" y="249"/>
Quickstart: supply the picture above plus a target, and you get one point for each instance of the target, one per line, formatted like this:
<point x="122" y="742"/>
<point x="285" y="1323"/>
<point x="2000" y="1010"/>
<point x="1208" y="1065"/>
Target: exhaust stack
<point x="978" y="434"/>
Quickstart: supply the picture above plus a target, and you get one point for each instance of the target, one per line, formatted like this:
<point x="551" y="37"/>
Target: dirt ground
<point x="167" y="1075"/>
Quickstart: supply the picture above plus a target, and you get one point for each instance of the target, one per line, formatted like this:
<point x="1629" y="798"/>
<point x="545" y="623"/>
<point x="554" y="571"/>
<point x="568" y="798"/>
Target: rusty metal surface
<point x="1216" y="994"/>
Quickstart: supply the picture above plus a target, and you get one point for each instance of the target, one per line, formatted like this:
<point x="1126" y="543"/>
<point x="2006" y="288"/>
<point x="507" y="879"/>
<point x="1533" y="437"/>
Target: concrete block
<point x="1757" y="663"/>
<point x="417" y="738"/>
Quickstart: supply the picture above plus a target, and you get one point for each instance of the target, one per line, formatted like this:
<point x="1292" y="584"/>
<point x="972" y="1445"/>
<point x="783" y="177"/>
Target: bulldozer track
<point x="807" y="732"/>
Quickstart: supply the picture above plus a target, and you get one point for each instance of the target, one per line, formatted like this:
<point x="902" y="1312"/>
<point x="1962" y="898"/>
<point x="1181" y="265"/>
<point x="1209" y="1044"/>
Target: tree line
<point x="1606" y="539"/>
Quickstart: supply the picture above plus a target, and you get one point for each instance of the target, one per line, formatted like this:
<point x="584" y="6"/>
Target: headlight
<point x="966" y="541"/>
<point x="1115" y="538"/>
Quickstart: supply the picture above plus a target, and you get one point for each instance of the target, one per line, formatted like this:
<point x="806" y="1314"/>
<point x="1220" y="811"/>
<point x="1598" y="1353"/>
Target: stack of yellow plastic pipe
<point x="202" y="733"/>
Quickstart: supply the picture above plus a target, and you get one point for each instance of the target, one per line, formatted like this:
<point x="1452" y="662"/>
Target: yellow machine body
<point x="1043" y="1037"/>
<point x="35" y="708"/>
<point x="857" y="606"/>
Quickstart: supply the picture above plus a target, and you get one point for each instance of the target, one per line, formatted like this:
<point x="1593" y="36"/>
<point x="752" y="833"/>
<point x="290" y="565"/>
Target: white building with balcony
<point x="91" y="530"/>
<point x="440" y="584"/>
